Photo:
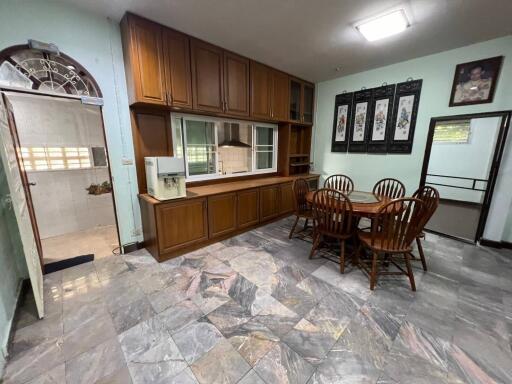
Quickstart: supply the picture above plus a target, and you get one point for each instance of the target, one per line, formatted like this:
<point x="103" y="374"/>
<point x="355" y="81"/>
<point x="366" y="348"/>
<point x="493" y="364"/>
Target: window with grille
<point x="55" y="158"/>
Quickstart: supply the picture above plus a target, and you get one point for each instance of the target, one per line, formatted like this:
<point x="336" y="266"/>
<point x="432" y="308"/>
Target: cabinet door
<point x="207" y="77"/>
<point x="295" y="100"/>
<point x="147" y="63"/>
<point x="248" y="208"/>
<point x="280" y="96"/>
<point x="261" y="83"/>
<point x="221" y="214"/>
<point x="180" y="224"/>
<point x="269" y="202"/>
<point x="308" y="92"/>
<point x="285" y="198"/>
<point x="236" y="84"/>
<point x="177" y="68"/>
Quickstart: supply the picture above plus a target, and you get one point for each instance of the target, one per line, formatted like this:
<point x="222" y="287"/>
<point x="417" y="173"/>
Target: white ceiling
<point x="310" y="38"/>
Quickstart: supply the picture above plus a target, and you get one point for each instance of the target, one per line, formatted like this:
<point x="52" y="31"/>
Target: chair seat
<point x="306" y="214"/>
<point x="366" y="238"/>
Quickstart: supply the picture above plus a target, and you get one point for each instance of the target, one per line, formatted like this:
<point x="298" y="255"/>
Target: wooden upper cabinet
<point x="177" y="68"/>
<point x="236" y="84"/>
<point x="144" y="60"/>
<point x="301" y="101"/>
<point x="207" y="76"/>
<point x="261" y="84"/>
<point x="280" y="96"/>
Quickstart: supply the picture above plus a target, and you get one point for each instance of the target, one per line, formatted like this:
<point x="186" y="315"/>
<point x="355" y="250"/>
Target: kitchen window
<point x="217" y="148"/>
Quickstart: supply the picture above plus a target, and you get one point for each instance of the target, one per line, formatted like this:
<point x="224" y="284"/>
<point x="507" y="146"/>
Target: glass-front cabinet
<point x="217" y="148"/>
<point x="301" y="101"/>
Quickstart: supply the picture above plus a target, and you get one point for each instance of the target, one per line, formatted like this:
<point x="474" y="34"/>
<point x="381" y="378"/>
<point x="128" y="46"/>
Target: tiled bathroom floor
<point x="254" y="309"/>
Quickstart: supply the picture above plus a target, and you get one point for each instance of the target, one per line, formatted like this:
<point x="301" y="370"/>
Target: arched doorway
<point x="62" y="154"/>
<point x="32" y="69"/>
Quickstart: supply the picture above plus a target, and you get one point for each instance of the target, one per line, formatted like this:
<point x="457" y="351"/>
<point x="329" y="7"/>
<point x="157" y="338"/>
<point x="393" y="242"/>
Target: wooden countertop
<point x="232" y="186"/>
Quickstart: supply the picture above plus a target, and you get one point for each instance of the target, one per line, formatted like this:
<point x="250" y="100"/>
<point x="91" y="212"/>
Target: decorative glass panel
<point x="455" y="132"/>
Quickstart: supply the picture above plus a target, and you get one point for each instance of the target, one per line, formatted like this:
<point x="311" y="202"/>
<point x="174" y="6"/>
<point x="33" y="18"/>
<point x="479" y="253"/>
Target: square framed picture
<point x="381" y="115"/>
<point x="405" y="112"/>
<point x="342" y="118"/>
<point x="360" y="121"/>
<point x="475" y="82"/>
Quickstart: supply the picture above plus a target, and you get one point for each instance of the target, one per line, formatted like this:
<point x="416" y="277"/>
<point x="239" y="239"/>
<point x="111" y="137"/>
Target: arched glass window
<point x="28" y="68"/>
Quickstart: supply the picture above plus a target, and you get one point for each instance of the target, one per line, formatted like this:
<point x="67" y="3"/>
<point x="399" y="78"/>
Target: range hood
<point x="232" y="136"/>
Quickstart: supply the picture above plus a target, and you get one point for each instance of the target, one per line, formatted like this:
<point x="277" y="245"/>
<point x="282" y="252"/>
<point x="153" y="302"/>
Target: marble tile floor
<point x="254" y="309"/>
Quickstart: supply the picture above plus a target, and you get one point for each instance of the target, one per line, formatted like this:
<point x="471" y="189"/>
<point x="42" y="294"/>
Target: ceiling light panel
<point x="384" y="26"/>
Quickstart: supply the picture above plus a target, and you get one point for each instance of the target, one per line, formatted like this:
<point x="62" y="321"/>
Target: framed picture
<point x="405" y="111"/>
<point x="360" y="121"/>
<point x="342" y="116"/>
<point x="475" y="82"/>
<point x="380" y="122"/>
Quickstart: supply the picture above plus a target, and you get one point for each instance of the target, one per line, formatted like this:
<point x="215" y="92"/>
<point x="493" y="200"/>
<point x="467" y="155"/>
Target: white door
<point x="14" y="180"/>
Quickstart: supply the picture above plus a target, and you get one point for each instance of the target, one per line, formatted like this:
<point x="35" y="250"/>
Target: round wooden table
<point x="364" y="204"/>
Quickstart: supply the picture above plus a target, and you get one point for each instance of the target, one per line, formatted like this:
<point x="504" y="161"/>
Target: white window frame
<point x="217" y="124"/>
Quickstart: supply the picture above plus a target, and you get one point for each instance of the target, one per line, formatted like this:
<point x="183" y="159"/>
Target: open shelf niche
<point x="294" y="149"/>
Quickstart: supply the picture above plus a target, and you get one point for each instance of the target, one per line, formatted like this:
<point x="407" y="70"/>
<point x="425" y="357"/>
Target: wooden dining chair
<point x="394" y="229"/>
<point x="392" y="188"/>
<point x="301" y="207"/>
<point x="340" y="183"/>
<point x="430" y="198"/>
<point x="332" y="214"/>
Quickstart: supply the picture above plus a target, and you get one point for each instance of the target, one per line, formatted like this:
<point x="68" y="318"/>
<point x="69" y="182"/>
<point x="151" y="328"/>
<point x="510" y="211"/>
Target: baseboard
<point x="132" y="247"/>
<point x="496" y="244"/>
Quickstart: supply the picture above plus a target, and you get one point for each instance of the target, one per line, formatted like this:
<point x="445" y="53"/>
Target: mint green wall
<point x="12" y="265"/>
<point x="95" y="42"/>
<point x="437" y="74"/>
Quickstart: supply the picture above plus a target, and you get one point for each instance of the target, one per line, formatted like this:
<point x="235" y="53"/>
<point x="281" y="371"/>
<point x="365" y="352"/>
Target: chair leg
<point x="306" y="224"/>
<point x="373" y="276"/>
<point x="409" y="271"/>
<point x="422" y="255"/>
<point x="293" y="228"/>
<point x="342" y="256"/>
<point x="316" y="240"/>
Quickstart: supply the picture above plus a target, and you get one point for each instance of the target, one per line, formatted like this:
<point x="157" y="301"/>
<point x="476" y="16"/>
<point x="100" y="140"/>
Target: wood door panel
<point x="151" y="137"/>
<point x="269" y="203"/>
<point x="148" y="57"/>
<point x="261" y="83"/>
<point x="177" y="66"/>
<point x="285" y="198"/>
<point x="222" y="214"/>
<point x="280" y="96"/>
<point x="181" y="224"/>
<point x="236" y="84"/>
<point x="207" y="77"/>
<point x="248" y="208"/>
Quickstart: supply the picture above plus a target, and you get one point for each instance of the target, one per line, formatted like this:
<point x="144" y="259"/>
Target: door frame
<point x="499" y="148"/>
<point x="26" y="186"/>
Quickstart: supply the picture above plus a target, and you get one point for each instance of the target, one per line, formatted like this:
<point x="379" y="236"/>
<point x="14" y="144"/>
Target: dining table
<point x="364" y="204"/>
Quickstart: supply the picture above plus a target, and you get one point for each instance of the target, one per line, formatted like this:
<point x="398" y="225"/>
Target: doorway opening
<point x="57" y="128"/>
<point x="462" y="160"/>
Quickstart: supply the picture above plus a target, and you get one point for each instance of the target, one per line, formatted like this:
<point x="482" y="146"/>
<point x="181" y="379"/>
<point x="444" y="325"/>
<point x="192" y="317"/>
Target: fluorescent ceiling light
<point x="383" y="26"/>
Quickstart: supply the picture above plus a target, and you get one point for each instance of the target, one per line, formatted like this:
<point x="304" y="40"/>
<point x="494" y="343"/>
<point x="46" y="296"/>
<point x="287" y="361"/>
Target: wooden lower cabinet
<point x="248" y="204"/>
<point x="285" y="198"/>
<point x="181" y="224"/>
<point x="222" y="214"/>
<point x="269" y="202"/>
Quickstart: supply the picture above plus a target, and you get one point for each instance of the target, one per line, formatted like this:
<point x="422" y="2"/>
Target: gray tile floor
<point x="253" y="310"/>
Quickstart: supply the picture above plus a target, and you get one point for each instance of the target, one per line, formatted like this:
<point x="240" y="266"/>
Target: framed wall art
<point x="342" y="118"/>
<point x="380" y="120"/>
<point x="475" y="82"/>
<point x="360" y="121"/>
